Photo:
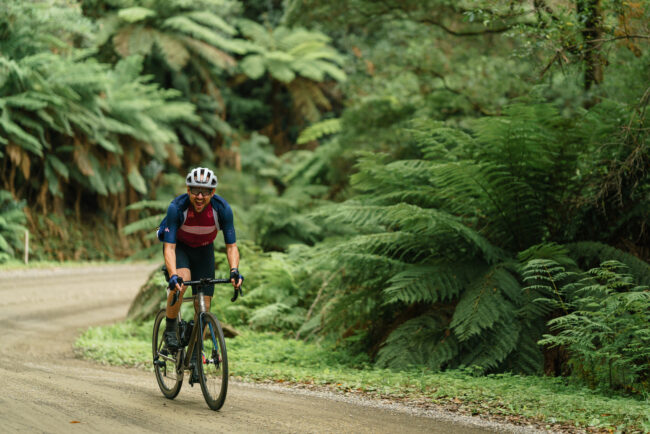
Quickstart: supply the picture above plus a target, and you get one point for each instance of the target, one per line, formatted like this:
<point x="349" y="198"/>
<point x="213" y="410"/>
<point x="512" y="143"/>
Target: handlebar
<point x="207" y="281"/>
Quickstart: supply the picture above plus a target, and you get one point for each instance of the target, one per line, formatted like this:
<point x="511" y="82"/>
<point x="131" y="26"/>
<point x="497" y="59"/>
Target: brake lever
<point x="238" y="292"/>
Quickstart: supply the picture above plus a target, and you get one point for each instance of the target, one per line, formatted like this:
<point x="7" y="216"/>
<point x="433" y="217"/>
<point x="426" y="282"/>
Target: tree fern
<point x="12" y="230"/>
<point x="279" y="222"/>
<point x="312" y="167"/>
<point x="420" y="342"/>
<point x="528" y="357"/>
<point x="94" y="108"/>
<point x="484" y="303"/>
<point x="443" y="230"/>
<point x="35" y="27"/>
<point x="296" y="58"/>
<point x="276" y="316"/>
<point x="186" y="46"/>
<point x="606" y="332"/>
<point x="489" y="350"/>
<point x="430" y="283"/>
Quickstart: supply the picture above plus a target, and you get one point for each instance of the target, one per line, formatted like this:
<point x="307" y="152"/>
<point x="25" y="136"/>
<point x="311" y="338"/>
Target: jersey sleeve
<point x="227" y="224"/>
<point x="173" y="223"/>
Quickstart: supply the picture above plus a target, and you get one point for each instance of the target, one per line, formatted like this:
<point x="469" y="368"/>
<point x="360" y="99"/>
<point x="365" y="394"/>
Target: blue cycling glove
<point x="175" y="279"/>
<point x="234" y="274"/>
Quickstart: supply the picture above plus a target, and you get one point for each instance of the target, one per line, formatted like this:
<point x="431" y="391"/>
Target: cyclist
<point x="187" y="232"/>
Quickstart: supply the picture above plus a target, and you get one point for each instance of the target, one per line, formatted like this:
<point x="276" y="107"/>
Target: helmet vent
<point x="201" y="177"/>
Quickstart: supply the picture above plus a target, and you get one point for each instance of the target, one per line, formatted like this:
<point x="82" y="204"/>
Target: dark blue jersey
<point x="177" y="214"/>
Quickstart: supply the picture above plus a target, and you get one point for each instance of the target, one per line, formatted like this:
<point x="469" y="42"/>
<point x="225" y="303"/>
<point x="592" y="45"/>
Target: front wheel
<point x="169" y="377"/>
<point x="213" y="372"/>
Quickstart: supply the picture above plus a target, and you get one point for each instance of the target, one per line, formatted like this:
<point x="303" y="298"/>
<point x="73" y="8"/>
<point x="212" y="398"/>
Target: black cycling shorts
<point x="200" y="261"/>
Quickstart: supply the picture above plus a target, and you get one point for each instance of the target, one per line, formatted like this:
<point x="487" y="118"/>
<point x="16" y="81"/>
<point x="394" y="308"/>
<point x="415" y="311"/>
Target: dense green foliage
<point x="607" y="326"/>
<point x="403" y="174"/>
<point x="12" y="230"/>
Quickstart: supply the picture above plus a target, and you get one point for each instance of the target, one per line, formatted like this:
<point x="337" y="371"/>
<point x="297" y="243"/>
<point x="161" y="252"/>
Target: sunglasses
<point x="202" y="191"/>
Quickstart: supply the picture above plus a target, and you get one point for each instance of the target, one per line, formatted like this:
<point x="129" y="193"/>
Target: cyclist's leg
<point x="202" y="265"/>
<point x="183" y="271"/>
<point x="171" y="311"/>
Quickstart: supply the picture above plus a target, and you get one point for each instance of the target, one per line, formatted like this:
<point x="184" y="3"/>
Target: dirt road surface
<point x="45" y="388"/>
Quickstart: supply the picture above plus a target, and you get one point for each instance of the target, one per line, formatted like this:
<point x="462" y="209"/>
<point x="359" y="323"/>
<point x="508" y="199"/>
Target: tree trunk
<point x="590" y="11"/>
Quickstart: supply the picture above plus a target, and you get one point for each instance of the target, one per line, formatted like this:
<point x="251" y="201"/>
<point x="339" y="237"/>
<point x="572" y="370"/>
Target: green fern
<point x="318" y="130"/>
<point x="429" y="283"/>
<point x="12" y="229"/>
<point x="297" y="59"/>
<point x="279" y="222"/>
<point x="607" y="332"/>
<point x="489" y="350"/>
<point x="420" y="342"/>
<point x="590" y="254"/>
<point x="484" y="303"/>
<point x="442" y="231"/>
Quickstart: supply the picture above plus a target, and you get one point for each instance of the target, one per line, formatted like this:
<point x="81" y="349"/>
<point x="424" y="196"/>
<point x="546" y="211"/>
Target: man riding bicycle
<point x="188" y="232"/>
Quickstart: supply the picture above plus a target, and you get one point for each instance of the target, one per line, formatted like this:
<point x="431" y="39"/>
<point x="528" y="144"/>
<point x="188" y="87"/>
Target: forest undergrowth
<point x="549" y="403"/>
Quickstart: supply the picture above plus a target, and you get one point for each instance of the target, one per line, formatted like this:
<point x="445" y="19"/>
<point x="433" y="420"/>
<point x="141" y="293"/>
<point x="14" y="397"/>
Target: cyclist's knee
<point x="184" y="273"/>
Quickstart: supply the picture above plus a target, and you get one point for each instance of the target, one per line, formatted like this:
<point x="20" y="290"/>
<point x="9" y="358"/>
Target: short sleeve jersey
<point x="193" y="229"/>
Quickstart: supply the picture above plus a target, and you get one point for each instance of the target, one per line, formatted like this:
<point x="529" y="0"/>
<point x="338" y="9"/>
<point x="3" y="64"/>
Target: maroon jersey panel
<point x="198" y="229"/>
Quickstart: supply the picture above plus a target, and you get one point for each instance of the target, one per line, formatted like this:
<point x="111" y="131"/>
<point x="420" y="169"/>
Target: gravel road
<point x="46" y="388"/>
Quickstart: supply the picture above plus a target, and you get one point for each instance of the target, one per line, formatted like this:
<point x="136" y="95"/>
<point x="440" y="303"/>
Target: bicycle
<point x="206" y="340"/>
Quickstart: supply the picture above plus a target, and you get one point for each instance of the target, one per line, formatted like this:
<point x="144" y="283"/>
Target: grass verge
<point x="269" y="357"/>
<point x="15" y="265"/>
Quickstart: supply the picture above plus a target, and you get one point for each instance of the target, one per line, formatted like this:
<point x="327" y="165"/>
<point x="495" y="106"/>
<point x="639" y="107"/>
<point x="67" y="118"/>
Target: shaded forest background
<point x="437" y="184"/>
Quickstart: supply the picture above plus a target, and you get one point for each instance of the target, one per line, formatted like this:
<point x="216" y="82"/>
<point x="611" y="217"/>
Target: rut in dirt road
<point x="46" y="388"/>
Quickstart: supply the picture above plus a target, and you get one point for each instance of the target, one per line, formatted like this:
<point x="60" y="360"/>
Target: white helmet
<point x="201" y="177"/>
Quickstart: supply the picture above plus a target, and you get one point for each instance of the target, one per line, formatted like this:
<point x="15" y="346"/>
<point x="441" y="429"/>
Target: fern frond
<point x="418" y="342"/>
<point x="507" y="203"/>
<point x="253" y="66"/>
<point x="482" y="305"/>
<point x="319" y="129"/>
<point x="255" y="31"/>
<point x="429" y="283"/>
<point x="188" y="27"/>
<point x="590" y="254"/>
<point x="160" y="205"/>
<point x="493" y="346"/>
<point x="527" y="356"/>
<point x="212" y="54"/>
<point x="174" y="52"/>
<point x="209" y="19"/>
<point x="148" y="224"/>
<point x="135" y="14"/>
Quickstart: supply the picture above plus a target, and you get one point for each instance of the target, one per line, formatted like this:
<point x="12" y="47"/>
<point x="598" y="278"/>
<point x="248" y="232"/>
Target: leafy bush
<point x="12" y="230"/>
<point x="606" y="325"/>
<point x="427" y="253"/>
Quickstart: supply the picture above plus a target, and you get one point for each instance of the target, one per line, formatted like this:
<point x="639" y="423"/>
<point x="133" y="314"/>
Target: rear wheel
<point x="170" y="379"/>
<point x="213" y="362"/>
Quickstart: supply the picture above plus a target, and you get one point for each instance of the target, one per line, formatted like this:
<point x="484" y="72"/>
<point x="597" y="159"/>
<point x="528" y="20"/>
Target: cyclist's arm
<point x="229" y="237"/>
<point x="169" y="238"/>
<point x="169" y="252"/>
<point x="232" y="252"/>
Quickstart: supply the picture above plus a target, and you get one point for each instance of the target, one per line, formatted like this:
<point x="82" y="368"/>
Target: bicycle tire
<point x="169" y="378"/>
<point x="213" y="372"/>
